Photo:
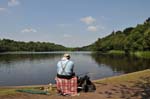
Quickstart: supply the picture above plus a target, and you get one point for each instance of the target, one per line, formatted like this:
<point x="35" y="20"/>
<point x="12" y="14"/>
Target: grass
<point x="116" y="52"/>
<point x="13" y="90"/>
<point x="4" y="91"/>
<point x="142" y="54"/>
<point x="139" y="54"/>
<point x="126" y="78"/>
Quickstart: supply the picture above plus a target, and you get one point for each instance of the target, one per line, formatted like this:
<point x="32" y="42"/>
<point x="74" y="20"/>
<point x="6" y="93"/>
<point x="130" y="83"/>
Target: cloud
<point x="88" y="20"/>
<point x="92" y="24"/>
<point x="2" y="9"/>
<point x="13" y="3"/>
<point x="92" y="28"/>
<point x="28" y="30"/>
<point x="64" y="25"/>
<point x="67" y="36"/>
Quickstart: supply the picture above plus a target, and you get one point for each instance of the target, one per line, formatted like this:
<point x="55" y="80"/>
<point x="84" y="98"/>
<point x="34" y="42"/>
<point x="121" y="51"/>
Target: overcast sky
<point x="72" y="23"/>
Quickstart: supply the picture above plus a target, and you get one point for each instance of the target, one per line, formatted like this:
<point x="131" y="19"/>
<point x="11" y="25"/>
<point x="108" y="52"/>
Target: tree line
<point x="130" y="39"/>
<point x="11" y="45"/>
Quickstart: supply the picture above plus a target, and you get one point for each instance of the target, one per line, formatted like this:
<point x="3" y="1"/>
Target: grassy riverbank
<point x="7" y="91"/>
<point x="118" y="87"/>
<point x="126" y="78"/>
<point x="139" y="54"/>
<point x="145" y="54"/>
<point x="116" y="52"/>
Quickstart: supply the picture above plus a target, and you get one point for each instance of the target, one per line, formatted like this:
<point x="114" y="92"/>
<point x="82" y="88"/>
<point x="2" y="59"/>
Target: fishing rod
<point x="86" y="73"/>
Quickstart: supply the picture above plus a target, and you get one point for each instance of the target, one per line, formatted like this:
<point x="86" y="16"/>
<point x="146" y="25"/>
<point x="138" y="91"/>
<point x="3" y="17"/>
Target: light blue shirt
<point x="67" y="65"/>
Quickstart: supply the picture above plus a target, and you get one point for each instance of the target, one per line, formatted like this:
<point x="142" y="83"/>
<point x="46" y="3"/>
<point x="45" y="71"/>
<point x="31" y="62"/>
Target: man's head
<point x="67" y="56"/>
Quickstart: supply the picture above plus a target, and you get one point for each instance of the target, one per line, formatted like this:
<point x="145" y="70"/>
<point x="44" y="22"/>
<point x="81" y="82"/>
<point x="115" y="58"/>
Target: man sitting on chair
<point x="66" y="80"/>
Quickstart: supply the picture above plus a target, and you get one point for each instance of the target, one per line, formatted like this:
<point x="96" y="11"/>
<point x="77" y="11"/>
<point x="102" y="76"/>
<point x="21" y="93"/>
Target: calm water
<point x="40" y="68"/>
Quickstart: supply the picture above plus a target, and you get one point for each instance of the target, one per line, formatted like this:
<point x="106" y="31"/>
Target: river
<point x="34" y="68"/>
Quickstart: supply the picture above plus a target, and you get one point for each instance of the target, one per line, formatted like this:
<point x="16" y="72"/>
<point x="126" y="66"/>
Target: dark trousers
<point x="66" y="76"/>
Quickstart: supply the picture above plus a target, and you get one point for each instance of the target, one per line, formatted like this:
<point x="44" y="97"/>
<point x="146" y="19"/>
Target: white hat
<point x="66" y="55"/>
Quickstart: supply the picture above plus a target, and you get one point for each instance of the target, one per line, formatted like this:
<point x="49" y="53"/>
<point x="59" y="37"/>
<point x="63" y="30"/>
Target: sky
<point x="72" y="23"/>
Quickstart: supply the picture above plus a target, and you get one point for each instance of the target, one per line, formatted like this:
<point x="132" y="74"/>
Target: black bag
<point x="85" y="85"/>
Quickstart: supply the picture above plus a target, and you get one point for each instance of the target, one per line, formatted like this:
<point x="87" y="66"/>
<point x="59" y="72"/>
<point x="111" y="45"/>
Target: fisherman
<point x="66" y="80"/>
<point x="65" y="67"/>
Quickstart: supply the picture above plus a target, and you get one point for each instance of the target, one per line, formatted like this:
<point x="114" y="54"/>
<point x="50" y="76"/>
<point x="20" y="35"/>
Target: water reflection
<point x="9" y="58"/>
<point x="123" y="63"/>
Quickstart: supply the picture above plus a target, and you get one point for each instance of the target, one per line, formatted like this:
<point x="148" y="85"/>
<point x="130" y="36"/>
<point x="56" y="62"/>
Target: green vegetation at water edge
<point x="116" y="52"/>
<point x="139" y="54"/>
<point x="145" y="54"/>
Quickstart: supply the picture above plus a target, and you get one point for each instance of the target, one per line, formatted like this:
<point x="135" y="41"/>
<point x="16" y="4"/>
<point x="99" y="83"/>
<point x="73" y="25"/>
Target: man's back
<point x="65" y="67"/>
<point x="66" y="81"/>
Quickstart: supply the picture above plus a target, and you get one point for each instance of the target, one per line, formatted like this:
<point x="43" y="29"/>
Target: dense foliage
<point x="11" y="45"/>
<point x="130" y="39"/>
